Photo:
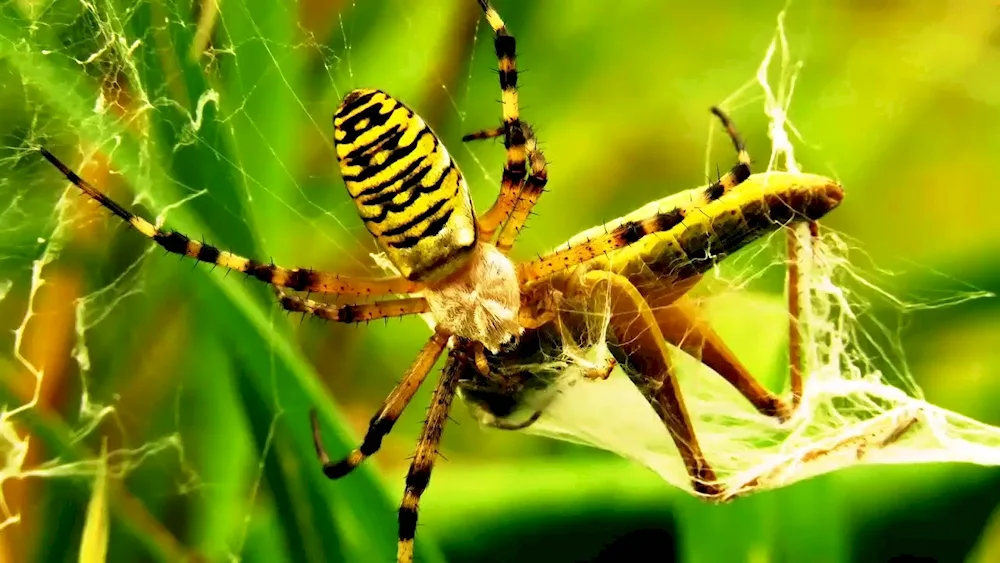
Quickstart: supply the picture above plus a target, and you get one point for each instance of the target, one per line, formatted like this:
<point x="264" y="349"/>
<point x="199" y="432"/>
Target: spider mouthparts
<point x="509" y="344"/>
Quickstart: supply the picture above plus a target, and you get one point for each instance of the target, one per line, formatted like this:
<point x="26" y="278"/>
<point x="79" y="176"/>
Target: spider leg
<point x="538" y="177"/>
<point x="533" y="188"/>
<point x="479" y="358"/>
<point x="299" y="279"/>
<point x="419" y="475"/>
<point x="517" y="194"/>
<point x="490" y="133"/>
<point x="383" y="421"/>
<point x="647" y="361"/>
<point x="353" y="313"/>
<point x="514" y="168"/>
<point x="681" y="324"/>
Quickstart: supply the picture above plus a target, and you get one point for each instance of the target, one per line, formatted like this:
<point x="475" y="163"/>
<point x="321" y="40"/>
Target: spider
<point x="495" y="315"/>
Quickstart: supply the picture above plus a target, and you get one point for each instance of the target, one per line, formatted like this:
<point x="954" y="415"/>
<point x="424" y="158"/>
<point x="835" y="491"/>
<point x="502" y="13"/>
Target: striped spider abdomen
<point x="408" y="190"/>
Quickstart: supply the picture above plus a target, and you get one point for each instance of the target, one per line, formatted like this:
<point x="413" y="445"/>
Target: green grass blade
<point x="128" y="512"/>
<point x="94" y="545"/>
<point x="276" y="369"/>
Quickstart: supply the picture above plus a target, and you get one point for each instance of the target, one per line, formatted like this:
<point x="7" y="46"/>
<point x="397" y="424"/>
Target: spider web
<point x="89" y="81"/>
<point x="861" y="404"/>
<point x="184" y="100"/>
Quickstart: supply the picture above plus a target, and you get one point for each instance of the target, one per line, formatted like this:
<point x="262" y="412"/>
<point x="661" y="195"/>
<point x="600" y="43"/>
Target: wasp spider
<point x="496" y="315"/>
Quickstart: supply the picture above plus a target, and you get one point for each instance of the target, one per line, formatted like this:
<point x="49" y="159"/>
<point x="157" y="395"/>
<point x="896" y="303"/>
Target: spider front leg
<point x="533" y="188"/>
<point x="518" y="194"/>
<point x="646" y="359"/>
<point x="419" y="475"/>
<point x="381" y="424"/>
<point x="298" y="279"/>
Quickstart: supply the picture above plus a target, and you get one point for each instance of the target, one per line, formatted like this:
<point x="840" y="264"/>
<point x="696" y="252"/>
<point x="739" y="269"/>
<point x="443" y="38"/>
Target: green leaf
<point x="94" y="546"/>
<point x="274" y="367"/>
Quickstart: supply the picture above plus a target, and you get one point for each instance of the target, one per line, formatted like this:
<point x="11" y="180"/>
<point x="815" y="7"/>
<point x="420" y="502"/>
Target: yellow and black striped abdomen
<point x="409" y="192"/>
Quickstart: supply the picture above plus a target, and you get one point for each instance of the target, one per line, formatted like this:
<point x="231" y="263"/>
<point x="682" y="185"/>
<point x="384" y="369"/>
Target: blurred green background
<point x="227" y="107"/>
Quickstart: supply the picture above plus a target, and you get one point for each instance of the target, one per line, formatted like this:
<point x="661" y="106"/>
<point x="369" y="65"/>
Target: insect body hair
<point x="480" y="301"/>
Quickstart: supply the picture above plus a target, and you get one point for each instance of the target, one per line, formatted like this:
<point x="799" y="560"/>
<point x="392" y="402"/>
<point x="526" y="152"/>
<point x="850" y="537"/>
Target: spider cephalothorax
<point x="633" y="272"/>
<point x="479" y="302"/>
<point x="415" y="202"/>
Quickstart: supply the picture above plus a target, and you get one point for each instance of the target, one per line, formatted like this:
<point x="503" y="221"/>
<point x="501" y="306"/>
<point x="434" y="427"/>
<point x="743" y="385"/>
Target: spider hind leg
<point x="419" y="475"/>
<point x="490" y="133"/>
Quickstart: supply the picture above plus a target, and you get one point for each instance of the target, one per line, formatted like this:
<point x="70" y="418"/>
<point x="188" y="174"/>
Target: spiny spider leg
<point x="517" y="193"/>
<point x="419" y="475"/>
<point x="533" y="188"/>
<point x="381" y="424"/>
<point x="299" y="279"/>
<point x="353" y="313"/>
<point x="491" y="133"/>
